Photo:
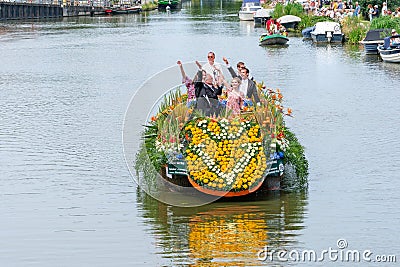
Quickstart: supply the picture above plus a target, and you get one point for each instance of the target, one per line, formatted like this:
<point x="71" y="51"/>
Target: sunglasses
<point x="210" y="56"/>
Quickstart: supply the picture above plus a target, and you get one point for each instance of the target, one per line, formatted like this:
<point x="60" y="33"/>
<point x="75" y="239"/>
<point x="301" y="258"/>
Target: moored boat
<point x="390" y="52"/>
<point x="127" y="9"/>
<point x="249" y="9"/>
<point x="289" y="21"/>
<point x="327" y="32"/>
<point x="374" y="38"/>
<point x="171" y="4"/>
<point x="273" y="39"/>
<point x="262" y="15"/>
<point x="108" y="10"/>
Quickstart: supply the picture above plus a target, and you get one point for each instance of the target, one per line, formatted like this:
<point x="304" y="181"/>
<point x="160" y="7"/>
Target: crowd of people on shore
<point x="209" y="85"/>
<point x="338" y="9"/>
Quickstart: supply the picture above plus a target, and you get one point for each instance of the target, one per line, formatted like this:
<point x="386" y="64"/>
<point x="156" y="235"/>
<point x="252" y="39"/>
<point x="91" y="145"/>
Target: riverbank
<point x="16" y="11"/>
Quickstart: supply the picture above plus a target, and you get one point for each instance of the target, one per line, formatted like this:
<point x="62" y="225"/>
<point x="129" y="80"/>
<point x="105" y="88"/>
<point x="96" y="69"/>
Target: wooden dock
<point x="15" y="11"/>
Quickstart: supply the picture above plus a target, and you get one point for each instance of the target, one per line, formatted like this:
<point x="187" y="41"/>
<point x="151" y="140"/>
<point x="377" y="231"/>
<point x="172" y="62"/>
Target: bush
<point x="308" y="21"/>
<point x="353" y="29"/>
<point x="290" y="9"/>
<point x="385" y="22"/>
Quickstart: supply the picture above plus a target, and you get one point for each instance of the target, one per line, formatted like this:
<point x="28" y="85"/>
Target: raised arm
<point x="230" y="69"/>
<point x="181" y="68"/>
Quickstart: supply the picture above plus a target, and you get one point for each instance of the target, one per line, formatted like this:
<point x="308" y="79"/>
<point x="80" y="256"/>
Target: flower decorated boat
<point x="226" y="155"/>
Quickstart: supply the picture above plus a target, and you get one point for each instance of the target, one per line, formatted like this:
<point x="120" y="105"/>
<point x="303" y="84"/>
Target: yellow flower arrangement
<point x="224" y="155"/>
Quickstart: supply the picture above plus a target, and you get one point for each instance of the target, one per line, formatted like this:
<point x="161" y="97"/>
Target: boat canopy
<point x="255" y="2"/>
<point x="377" y="34"/>
<point x="288" y="19"/>
<point x="264" y="13"/>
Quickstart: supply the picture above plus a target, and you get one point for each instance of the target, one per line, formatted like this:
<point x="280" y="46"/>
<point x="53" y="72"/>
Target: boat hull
<point x="327" y="38"/>
<point x="290" y="25"/>
<point x="390" y="55"/>
<point x="275" y="39"/>
<point x="371" y="47"/>
<point x="260" y="20"/>
<point x="272" y="182"/>
<point x="246" y="15"/>
<point x="130" y="10"/>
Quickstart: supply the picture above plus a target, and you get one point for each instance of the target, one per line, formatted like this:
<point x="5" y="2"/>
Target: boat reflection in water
<point x="225" y="233"/>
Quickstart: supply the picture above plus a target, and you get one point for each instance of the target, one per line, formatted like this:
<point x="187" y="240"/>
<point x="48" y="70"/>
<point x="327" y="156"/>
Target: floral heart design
<point x="224" y="155"/>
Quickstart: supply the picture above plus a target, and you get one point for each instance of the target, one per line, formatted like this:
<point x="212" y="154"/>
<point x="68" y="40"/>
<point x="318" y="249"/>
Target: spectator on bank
<point x="356" y="12"/>
<point x="384" y="9"/>
<point x="370" y="12"/>
<point x="312" y="6"/>
<point x="340" y="6"/>
<point x="375" y="13"/>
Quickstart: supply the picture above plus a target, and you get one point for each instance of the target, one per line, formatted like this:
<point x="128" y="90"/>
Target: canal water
<point x="67" y="197"/>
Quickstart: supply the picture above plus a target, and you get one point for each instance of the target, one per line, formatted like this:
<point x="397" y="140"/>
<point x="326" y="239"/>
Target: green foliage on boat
<point x="295" y="157"/>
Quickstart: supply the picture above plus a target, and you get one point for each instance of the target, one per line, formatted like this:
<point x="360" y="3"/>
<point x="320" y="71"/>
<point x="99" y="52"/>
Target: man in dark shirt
<point x="375" y="14"/>
<point x="207" y="94"/>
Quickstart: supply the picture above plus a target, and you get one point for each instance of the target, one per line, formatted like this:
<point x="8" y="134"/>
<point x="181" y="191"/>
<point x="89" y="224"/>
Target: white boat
<point x="327" y="32"/>
<point x="390" y="52"/>
<point x="289" y="21"/>
<point x="249" y="9"/>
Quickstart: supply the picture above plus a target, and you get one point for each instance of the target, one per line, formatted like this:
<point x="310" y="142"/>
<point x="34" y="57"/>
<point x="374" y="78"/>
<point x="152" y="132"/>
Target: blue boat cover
<point x="250" y="1"/>
<point x="377" y="34"/>
<point x="386" y="43"/>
